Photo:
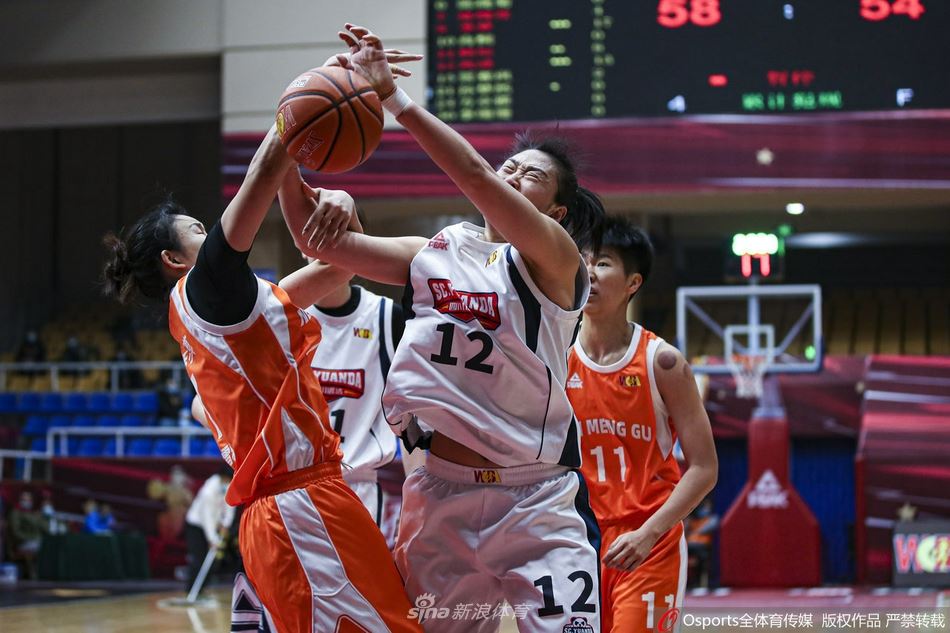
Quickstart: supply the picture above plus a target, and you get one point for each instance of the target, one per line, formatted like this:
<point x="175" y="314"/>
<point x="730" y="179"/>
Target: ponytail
<point x="134" y="263"/>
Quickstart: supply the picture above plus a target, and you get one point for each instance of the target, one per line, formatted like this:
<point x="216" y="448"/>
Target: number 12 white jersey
<point x="484" y="356"/>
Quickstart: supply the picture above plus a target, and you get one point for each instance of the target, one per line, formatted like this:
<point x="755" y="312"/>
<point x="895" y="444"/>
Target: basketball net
<point x="749" y="373"/>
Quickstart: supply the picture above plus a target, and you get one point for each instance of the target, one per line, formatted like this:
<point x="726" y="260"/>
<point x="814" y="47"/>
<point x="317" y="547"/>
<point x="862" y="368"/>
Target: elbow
<point x="712" y="474"/>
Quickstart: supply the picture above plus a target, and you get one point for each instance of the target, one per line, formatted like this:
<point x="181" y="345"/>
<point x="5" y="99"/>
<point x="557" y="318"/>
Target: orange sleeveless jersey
<point x="627" y="436"/>
<point x="264" y="405"/>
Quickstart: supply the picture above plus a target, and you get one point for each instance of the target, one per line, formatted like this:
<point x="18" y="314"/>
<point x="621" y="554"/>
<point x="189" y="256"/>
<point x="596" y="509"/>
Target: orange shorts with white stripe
<point x="319" y="563"/>
<point x="648" y="598"/>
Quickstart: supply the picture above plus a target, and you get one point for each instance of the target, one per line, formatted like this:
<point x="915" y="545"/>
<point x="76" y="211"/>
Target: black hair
<point x="134" y="266"/>
<point x="631" y="243"/>
<point x="585" y="211"/>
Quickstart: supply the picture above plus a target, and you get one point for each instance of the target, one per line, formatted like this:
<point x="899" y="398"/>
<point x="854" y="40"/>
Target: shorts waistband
<point x="360" y="475"/>
<point x="512" y="476"/>
<point x="297" y="479"/>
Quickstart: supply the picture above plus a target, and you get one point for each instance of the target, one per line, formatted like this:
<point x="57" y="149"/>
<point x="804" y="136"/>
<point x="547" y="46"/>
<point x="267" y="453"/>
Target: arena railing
<point x="115" y="368"/>
<point x="120" y="434"/>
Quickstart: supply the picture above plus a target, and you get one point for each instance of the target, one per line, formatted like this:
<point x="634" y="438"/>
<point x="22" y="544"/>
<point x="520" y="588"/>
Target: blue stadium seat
<point x="138" y="447"/>
<point x="51" y="402"/>
<point x="28" y="402"/>
<point x="90" y="447"/>
<point x="130" y="420"/>
<point x="196" y="446"/>
<point x="100" y="402"/>
<point x="72" y="444"/>
<point x="7" y="402"/>
<point x="109" y="449"/>
<point x="146" y="402"/>
<point x="83" y="421"/>
<point x="211" y="448"/>
<point x="122" y="402"/>
<point x="36" y="425"/>
<point x="108" y="420"/>
<point x="167" y="447"/>
<point x="38" y="445"/>
<point x="76" y="402"/>
<point x="60" y="420"/>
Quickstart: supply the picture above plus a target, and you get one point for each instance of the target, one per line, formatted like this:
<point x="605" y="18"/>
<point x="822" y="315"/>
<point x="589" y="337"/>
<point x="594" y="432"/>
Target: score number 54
<point x="676" y="13"/>
<point x="877" y="10"/>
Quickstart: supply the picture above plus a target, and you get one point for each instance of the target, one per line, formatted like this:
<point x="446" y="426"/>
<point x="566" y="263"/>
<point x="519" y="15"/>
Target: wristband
<point x="396" y="102"/>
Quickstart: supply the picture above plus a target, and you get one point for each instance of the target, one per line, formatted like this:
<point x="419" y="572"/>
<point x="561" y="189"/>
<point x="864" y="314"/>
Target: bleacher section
<point x="98" y="411"/>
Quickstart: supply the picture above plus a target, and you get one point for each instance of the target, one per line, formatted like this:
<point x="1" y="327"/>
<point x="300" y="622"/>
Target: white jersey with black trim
<point x="351" y="363"/>
<point x="484" y="356"/>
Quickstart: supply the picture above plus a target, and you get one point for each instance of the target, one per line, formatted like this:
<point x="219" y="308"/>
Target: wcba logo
<point x="425" y="609"/>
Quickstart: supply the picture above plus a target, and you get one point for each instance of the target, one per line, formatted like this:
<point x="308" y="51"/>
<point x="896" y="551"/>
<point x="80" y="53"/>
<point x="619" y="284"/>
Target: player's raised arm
<point x="243" y="217"/>
<point x="505" y="200"/>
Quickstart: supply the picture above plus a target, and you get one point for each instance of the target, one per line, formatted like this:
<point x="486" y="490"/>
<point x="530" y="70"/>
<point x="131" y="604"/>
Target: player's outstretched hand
<point x="368" y="58"/>
<point x="394" y="57"/>
<point x="629" y="550"/>
<point x="333" y="212"/>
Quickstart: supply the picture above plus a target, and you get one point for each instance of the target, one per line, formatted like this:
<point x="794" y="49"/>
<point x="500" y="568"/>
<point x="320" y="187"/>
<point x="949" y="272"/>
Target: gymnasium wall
<point x="61" y="190"/>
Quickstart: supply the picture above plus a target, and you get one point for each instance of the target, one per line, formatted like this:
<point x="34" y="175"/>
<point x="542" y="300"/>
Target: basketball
<point x="329" y="119"/>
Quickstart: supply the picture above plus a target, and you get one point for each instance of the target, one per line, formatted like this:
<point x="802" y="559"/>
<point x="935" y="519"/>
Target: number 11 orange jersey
<point x="627" y="435"/>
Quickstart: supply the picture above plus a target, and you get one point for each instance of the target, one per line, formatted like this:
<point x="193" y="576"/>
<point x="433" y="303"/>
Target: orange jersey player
<point x="312" y="552"/>
<point x="633" y="395"/>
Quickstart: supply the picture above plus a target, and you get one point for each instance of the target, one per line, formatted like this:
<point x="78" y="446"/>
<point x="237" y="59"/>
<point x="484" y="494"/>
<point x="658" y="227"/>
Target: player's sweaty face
<point x="191" y="235"/>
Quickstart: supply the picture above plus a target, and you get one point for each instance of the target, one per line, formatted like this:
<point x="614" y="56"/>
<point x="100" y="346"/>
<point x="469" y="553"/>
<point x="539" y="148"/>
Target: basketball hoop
<point x="749" y="372"/>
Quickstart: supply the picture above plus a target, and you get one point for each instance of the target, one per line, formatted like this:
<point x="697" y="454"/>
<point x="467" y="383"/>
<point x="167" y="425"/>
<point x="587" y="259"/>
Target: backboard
<point x="719" y="328"/>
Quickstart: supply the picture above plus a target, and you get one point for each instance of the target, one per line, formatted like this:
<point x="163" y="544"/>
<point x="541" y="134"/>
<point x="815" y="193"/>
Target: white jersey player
<point x="499" y="513"/>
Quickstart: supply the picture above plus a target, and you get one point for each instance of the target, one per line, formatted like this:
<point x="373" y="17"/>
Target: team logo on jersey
<point x="578" y="625"/>
<point x="575" y="382"/>
<point x="304" y="317"/>
<point x="362" y="332"/>
<point x="465" y="306"/>
<point x="486" y="476"/>
<point x="341" y="383"/>
<point x="768" y="492"/>
<point x="187" y="351"/>
<point x="492" y="258"/>
<point x="227" y="453"/>
<point x="439" y="243"/>
<point x="630" y="380"/>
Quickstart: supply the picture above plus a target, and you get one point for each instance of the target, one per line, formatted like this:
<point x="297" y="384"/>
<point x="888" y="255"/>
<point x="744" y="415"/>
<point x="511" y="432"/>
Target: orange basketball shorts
<point x="319" y="563"/>
<point x="649" y="597"/>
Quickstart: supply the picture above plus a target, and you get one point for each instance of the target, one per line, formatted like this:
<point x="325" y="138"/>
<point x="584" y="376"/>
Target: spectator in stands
<point x="31" y="350"/>
<point x="53" y="524"/>
<point x="73" y="353"/>
<point x="177" y="496"/>
<point x="701" y="528"/>
<point x="130" y="378"/>
<point x="27" y="526"/>
<point x="208" y="521"/>
<point x="170" y="404"/>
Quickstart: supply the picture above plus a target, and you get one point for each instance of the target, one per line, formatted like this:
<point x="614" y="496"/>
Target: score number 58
<point x="877" y="10"/>
<point x="676" y="13"/>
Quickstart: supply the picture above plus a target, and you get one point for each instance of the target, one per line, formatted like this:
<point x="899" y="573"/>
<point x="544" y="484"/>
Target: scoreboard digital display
<point x="532" y="60"/>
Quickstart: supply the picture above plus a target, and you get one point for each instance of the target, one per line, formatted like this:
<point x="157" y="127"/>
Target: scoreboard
<point x="535" y="60"/>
